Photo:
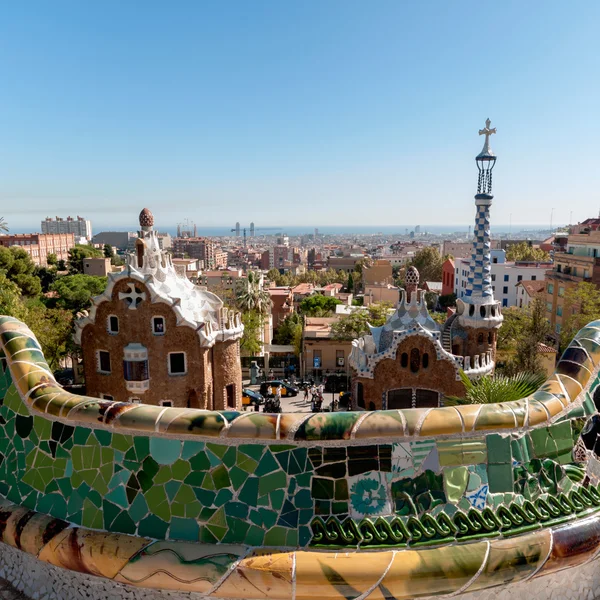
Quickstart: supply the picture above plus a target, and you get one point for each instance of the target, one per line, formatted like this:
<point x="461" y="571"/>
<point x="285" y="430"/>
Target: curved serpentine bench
<point x="387" y="504"/>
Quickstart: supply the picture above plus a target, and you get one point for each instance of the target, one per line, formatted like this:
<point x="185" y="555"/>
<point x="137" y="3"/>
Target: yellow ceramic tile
<point x="513" y="559"/>
<point x="93" y="552"/>
<point x="469" y="413"/>
<point x="254" y="426"/>
<point x="9" y="535"/>
<point x="180" y="566"/>
<point x="414" y="417"/>
<point x="197" y="422"/>
<point x="171" y="414"/>
<point x="520" y="409"/>
<point x="141" y="418"/>
<point x="536" y="413"/>
<point x="327" y="575"/>
<point x="33" y="533"/>
<point x="381" y="424"/>
<point x="263" y="574"/>
<point x="289" y="424"/>
<point x="572" y="387"/>
<point x="441" y="421"/>
<point x="416" y="573"/>
<point x="495" y="416"/>
<point x="86" y="412"/>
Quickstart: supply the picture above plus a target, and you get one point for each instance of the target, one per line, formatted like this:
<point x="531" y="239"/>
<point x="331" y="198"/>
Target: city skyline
<point x="273" y="112"/>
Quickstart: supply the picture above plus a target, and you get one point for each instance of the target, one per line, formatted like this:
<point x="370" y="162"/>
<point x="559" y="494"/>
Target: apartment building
<point x="580" y="262"/>
<point x="79" y="227"/>
<point x="39" y="245"/>
<point x="505" y="276"/>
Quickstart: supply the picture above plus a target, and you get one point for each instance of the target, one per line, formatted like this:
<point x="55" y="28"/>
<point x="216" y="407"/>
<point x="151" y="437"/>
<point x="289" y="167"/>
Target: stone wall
<point x="441" y="374"/>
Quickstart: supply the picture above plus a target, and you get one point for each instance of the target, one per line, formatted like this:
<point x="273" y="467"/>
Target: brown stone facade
<point x="208" y="370"/>
<point x="406" y="371"/>
<point x="477" y="341"/>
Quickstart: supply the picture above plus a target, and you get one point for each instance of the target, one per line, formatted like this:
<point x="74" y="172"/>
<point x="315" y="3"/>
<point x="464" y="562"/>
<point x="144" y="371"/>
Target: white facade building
<point x="80" y="227"/>
<point x="505" y="276"/>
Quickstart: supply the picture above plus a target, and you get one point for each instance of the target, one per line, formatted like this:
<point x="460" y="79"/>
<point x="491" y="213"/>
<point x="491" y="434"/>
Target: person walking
<point x="305" y="394"/>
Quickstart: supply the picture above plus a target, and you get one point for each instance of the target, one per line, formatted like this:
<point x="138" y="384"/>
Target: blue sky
<point x="337" y="112"/>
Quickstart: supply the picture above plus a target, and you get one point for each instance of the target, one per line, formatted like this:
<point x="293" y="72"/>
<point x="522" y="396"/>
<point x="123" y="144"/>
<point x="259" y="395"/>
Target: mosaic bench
<point x="136" y="501"/>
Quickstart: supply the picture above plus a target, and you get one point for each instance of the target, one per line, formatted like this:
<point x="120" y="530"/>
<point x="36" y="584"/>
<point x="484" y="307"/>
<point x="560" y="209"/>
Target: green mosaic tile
<point x="103" y="437"/>
<point x="191" y="449"/>
<point x="121" y="442"/>
<point x="81" y="435"/>
<point x="223" y="496"/>
<point x="110" y="512"/>
<point x="139" y="508"/>
<point x="246" y="463"/>
<point x="238" y="477"/>
<point x="229" y="458"/>
<point x="276" y="498"/>
<point x="217" y="449"/>
<point x="254" y="451"/>
<point x="255" y="536"/>
<point x="184" y="529"/>
<point x="276" y="536"/>
<point x="267" y="464"/>
<point x="200" y="462"/>
<point x="455" y="483"/>
<point x="164" y="451"/>
<point x="118" y="497"/>
<point x="195" y="478"/>
<point x="124" y="523"/>
<point x="172" y="487"/>
<point x="500" y="478"/>
<point x="249" y="492"/>
<point x="273" y="481"/>
<point x="205" y="497"/>
<point x="498" y="448"/>
<point x="220" y="477"/>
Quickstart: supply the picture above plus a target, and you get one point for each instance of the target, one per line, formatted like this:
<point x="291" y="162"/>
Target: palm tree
<point x="489" y="390"/>
<point x="254" y="298"/>
<point x="3" y="225"/>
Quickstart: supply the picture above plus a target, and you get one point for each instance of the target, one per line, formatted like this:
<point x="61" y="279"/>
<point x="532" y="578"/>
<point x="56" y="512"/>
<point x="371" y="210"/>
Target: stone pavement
<point x="8" y="592"/>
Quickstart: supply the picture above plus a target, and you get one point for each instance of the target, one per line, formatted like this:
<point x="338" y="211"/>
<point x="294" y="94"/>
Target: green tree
<point x="524" y="251"/>
<point x="254" y="298"/>
<point x="3" y="225"/>
<point x="366" y="261"/>
<point x="318" y="305"/>
<point x="51" y="259"/>
<point x="356" y="324"/>
<point x="77" y="254"/>
<point x="583" y="302"/>
<point x="428" y="262"/>
<point x="536" y="330"/>
<point x="47" y="276"/>
<point x="108" y="251"/>
<point x="10" y="299"/>
<point x="250" y="343"/>
<point x="447" y="300"/>
<point x="290" y="332"/>
<point x="350" y="284"/>
<point x="75" y="292"/>
<point x="19" y="268"/>
<point x="499" y="388"/>
<point x="62" y="265"/>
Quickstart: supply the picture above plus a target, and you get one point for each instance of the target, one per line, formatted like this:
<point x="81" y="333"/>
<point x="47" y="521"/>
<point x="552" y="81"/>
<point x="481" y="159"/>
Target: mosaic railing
<point x="252" y="505"/>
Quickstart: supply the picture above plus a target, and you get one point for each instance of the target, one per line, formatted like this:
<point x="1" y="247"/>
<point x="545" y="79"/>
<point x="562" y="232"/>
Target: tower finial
<point x="487" y="131"/>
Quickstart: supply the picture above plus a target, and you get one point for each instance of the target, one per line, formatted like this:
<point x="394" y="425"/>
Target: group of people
<point x="316" y="395"/>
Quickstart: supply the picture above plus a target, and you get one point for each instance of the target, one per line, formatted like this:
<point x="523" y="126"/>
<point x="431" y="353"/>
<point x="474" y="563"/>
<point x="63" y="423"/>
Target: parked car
<point x="268" y="388"/>
<point x="250" y="397"/>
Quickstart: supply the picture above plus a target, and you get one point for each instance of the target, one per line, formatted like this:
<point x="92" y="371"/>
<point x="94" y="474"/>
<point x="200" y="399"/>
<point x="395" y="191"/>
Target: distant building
<point x="196" y="247"/>
<point x="581" y="262"/>
<point x="448" y="276"/>
<point x="99" y="267"/>
<point x="79" y="227"/>
<point x="122" y="240"/>
<point x="39" y="245"/>
<point x="155" y="338"/>
<point x="504" y="276"/>
<point x="463" y="249"/>
<point x="187" y="267"/>
<point x="283" y="304"/>
<point x="322" y="353"/>
<point x="375" y="293"/>
<point x="379" y="273"/>
<point x="278" y="257"/>
<point x="528" y="290"/>
<point x="344" y="263"/>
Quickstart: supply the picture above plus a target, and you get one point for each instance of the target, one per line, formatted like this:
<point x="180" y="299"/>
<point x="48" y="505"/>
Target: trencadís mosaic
<point x="185" y="492"/>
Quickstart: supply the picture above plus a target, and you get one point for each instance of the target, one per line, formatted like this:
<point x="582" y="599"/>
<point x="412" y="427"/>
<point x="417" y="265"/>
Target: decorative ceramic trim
<point x="43" y="394"/>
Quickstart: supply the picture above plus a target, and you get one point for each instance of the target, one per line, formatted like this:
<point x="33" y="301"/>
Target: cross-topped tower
<point x="487" y="131"/>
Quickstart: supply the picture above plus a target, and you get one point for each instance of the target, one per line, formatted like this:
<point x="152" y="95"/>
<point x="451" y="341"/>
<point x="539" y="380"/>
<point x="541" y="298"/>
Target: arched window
<point x="360" y="400"/>
<point x="371" y="405"/>
<point x="415" y="360"/>
<point x="480" y="338"/>
<point x="471" y="310"/>
<point x="404" y="360"/>
<point x="139" y="248"/>
<point x="425" y="360"/>
<point x="490" y="337"/>
<point x="482" y="311"/>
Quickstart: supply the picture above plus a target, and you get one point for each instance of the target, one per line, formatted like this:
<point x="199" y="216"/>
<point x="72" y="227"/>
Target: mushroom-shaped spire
<point x="411" y="283"/>
<point x="146" y="218"/>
